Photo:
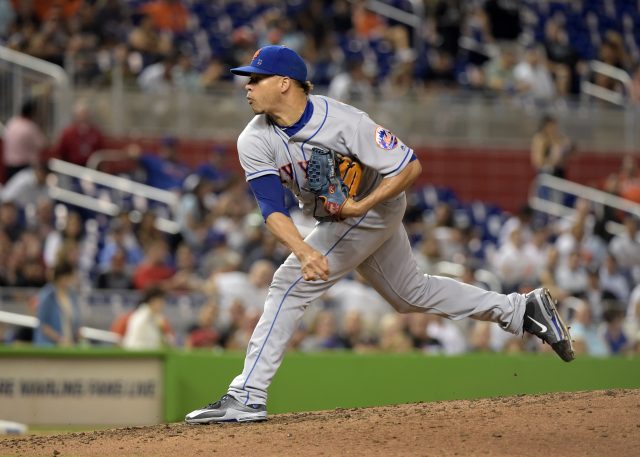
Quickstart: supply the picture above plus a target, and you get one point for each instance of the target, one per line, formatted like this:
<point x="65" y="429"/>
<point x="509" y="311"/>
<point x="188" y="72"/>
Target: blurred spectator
<point x="448" y="334"/>
<point x="499" y="72"/>
<point x="523" y="220"/>
<point x="214" y="168"/>
<point x="512" y="263"/>
<point x="168" y="15"/>
<point x="563" y="60"/>
<point x="116" y="275"/>
<point x="625" y="246"/>
<point x="24" y="141"/>
<point x="163" y="170"/>
<point x="550" y="148"/>
<point x="10" y="221"/>
<point x="7" y="16"/>
<point x="428" y="255"/>
<point x="146" y="40"/>
<point x="323" y="334"/>
<point x="571" y="276"/>
<point x="613" y="279"/>
<point x="186" y="276"/>
<point x="250" y="288"/>
<point x="157" y="78"/>
<point x="28" y="186"/>
<point x="239" y="339"/>
<point x="154" y="269"/>
<point x="355" y="295"/>
<point x="58" y="310"/>
<point x="184" y="74"/>
<point x="628" y="180"/>
<point x="586" y="336"/>
<point x="203" y="333"/>
<point x="120" y="237"/>
<point x="392" y="338"/>
<point x="81" y="138"/>
<point x="193" y="216"/>
<point x="72" y="230"/>
<point x="534" y="77"/>
<point x="353" y="85"/>
<point x="634" y="94"/>
<point x="614" y="334"/>
<point x="353" y="334"/>
<point x="632" y="319"/>
<point x="146" y="231"/>
<point x="145" y="326"/>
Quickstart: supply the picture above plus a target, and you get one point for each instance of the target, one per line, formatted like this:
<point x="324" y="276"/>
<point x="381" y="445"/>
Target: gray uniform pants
<point x="377" y="246"/>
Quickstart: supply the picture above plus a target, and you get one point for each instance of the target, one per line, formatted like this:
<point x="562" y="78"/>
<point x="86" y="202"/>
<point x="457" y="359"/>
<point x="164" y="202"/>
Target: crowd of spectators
<point x="222" y="249"/>
<point x="536" y="49"/>
<point x="224" y="253"/>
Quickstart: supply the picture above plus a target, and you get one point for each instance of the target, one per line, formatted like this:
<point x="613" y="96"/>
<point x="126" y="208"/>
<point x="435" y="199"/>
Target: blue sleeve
<point x="269" y="194"/>
<point x="413" y="157"/>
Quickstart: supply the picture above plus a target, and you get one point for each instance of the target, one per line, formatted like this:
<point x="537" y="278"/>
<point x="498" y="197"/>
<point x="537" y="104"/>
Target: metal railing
<point x="608" y="95"/>
<point x="25" y="77"/>
<point x="86" y="333"/>
<point x="113" y="183"/>
<point x="564" y="186"/>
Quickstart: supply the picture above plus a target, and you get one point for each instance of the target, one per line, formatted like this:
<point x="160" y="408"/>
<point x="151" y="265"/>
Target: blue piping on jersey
<point x="293" y="164"/>
<point x="262" y="171"/>
<point x="410" y="151"/>
<point x="282" y="301"/>
<point x="326" y="114"/>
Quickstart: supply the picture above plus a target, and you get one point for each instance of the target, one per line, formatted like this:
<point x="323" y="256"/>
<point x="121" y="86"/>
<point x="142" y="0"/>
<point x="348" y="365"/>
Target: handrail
<point x="62" y="95"/>
<point x="113" y="182"/>
<point x="103" y="155"/>
<point x="89" y="333"/>
<point x="572" y="188"/>
<point x="611" y="96"/>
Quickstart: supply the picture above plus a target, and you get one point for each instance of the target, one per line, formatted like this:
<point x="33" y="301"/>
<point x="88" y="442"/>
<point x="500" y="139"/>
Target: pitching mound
<point x="567" y="424"/>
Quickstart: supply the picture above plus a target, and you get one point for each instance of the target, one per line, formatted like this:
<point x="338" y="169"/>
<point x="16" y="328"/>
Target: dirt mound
<point x="567" y="424"/>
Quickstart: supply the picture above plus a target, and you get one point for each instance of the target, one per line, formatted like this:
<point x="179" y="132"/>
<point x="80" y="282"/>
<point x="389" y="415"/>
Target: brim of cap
<point x="249" y="70"/>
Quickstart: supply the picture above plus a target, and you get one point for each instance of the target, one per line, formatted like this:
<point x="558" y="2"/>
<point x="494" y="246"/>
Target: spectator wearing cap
<point x="81" y="138"/>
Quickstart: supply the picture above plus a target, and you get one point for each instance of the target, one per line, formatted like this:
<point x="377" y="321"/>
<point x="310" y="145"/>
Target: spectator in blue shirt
<point x="58" y="310"/>
<point x="163" y="170"/>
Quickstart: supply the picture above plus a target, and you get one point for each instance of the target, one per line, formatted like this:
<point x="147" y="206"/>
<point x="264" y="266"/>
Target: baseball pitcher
<point x="350" y="174"/>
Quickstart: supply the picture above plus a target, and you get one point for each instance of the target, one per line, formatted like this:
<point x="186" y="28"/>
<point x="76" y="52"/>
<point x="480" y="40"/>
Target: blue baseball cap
<point x="275" y="60"/>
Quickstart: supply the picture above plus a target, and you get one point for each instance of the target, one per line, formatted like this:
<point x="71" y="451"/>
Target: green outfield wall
<point x="330" y="380"/>
<point x="190" y="379"/>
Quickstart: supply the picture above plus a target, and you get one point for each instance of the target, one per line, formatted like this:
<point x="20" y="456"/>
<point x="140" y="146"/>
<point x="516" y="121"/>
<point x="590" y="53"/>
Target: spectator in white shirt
<point x="534" y="77"/>
<point x="145" y="326"/>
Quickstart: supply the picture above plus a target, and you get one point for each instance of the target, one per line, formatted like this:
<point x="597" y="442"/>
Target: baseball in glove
<point x="333" y="179"/>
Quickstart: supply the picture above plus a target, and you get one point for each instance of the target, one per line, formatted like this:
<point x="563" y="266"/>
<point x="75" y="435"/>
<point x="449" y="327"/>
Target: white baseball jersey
<point x="375" y="244"/>
<point x="264" y="148"/>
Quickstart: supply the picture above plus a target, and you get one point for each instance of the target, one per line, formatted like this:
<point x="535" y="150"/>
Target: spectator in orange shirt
<point x="629" y="179"/>
<point x="169" y="15"/>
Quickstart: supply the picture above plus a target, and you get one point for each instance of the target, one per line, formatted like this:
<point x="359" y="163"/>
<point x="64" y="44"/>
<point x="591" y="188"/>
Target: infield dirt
<point x="596" y="423"/>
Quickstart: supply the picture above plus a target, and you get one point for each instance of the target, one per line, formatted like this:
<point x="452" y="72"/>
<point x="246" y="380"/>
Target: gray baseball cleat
<point x="227" y="409"/>
<point x="542" y="319"/>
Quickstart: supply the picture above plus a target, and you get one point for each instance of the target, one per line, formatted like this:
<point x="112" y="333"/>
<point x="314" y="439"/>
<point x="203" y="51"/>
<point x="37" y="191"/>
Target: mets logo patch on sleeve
<point x="385" y="139"/>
